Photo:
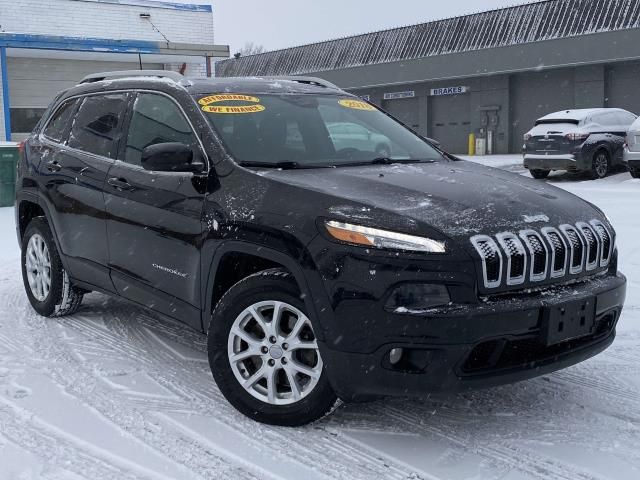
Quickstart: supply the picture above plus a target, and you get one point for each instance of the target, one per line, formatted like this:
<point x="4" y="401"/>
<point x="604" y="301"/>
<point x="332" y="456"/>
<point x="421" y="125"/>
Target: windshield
<point x="299" y="131"/>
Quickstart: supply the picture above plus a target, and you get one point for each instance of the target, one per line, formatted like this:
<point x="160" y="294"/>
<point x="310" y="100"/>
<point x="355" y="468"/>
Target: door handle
<point x="120" y="184"/>
<point x="54" y="166"/>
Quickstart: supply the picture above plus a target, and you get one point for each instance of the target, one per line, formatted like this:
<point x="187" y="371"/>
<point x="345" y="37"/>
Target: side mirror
<point x="169" y="157"/>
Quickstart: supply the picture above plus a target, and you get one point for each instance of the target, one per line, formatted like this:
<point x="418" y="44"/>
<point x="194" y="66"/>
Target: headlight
<point x="373" y="237"/>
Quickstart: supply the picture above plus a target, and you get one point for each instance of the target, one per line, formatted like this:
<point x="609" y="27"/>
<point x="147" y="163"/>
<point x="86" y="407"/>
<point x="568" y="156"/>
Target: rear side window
<point x="608" y="119"/>
<point x="97" y="124"/>
<point x="155" y="119"/>
<point x="626" y="118"/>
<point x="59" y="120"/>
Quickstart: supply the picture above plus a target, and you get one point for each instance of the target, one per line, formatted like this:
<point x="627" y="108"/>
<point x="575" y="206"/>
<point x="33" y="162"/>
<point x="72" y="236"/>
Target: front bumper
<point x="475" y="346"/>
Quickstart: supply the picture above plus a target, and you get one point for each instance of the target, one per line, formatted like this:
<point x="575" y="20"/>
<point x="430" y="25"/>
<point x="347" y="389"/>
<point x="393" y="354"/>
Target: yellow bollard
<point x="472" y="144"/>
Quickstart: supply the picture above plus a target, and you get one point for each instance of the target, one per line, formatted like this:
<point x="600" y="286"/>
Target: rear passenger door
<point x="154" y="218"/>
<point x="75" y="174"/>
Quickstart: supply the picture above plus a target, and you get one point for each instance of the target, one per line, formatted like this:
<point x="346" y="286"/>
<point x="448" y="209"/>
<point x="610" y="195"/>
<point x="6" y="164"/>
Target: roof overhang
<point x="592" y="49"/>
<point x="106" y="45"/>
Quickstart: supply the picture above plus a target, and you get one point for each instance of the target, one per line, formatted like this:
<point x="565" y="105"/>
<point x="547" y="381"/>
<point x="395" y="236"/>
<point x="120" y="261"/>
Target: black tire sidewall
<point x="46" y="308"/>
<point x="248" y="292"/>
<point x="540" y="174"/>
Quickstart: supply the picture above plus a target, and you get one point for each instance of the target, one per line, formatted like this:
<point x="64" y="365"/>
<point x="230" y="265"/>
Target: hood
<point x="459" y="199"/>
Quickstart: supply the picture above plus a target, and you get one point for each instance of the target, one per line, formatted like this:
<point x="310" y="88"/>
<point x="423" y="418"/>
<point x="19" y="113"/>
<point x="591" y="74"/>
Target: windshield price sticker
<point x="209" y="107"/>
<point x="356" y="104"/>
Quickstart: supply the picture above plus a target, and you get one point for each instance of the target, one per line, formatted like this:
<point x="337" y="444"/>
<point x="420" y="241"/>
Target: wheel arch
<point x="233" y="257"/>
<point x="29" y="206"/>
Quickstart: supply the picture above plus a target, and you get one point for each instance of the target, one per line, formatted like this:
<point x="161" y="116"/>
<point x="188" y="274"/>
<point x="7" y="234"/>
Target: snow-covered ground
<point x="116" y="393"/>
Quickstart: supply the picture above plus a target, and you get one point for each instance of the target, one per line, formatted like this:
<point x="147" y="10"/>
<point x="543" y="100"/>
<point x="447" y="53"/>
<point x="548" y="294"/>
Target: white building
<point x="49" y="45"/>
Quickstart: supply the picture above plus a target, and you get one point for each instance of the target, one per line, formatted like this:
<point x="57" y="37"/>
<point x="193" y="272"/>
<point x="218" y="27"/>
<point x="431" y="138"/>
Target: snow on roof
<point x="545" y="20"/>
<point x="576" y="114"/>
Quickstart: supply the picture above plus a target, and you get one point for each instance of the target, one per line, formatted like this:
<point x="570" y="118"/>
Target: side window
<point x="155" y="119"/>
<point x="97" y="124"/>
<point x="59" y="120"/>
<point x="626" y="118"/>
<point x="608" y="119"/>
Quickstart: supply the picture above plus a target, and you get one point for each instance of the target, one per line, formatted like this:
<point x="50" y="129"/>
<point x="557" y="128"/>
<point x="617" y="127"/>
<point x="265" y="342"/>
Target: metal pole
<point x="140" y="60"/>
<point x="5" y="93"/>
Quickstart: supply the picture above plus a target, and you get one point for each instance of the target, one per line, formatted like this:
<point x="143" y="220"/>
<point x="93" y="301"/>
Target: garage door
<point x="405" y="110"/>
<point x="451" y="122"/>
<point x="622" y="87"/>
<point x="34" y="82"/>
<point x="535" y="95"/>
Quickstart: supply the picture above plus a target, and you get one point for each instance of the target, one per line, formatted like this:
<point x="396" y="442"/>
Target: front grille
<point x="538" y="256"/>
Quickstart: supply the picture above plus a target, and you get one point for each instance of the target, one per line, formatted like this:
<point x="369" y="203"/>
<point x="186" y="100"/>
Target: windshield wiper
<point x="281" y="165"/>
<point x="391" y="161"/>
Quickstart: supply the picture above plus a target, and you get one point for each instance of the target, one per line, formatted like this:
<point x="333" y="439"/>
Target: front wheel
<point x="264" y="354"/>
<point x="46" y="282"/>
<point x="601" y="165"/>
<point x="635" y="172"/>
<point x="540" y="174"/>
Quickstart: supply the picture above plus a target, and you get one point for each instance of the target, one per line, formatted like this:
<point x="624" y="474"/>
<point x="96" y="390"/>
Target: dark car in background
<point x="318" y="268"/>
<point x="586" y="140"/>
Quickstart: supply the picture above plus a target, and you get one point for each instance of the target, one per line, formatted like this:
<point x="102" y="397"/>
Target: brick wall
<point x="101" y="19"/>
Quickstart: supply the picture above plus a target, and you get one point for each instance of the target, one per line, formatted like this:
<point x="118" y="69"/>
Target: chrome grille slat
<point x="578" y="248"/>
<point x="511" y="259"/>
<point x="608" y="242"/>
<point x="516" y="257"/>
<point x="559" y="251"/>
<point x="592" y="239"/>
<point x="490" y="255"/>
<point x="539" y="254"/>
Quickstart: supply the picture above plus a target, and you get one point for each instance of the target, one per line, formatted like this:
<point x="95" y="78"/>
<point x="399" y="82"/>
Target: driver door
<point x="154" y="223"/>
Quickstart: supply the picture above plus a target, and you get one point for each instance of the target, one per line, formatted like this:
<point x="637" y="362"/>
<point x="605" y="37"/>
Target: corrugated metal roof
<point x="547" y="20"/>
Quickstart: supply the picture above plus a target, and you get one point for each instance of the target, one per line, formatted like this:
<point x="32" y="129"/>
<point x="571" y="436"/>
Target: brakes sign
<point x="208" y="104"/>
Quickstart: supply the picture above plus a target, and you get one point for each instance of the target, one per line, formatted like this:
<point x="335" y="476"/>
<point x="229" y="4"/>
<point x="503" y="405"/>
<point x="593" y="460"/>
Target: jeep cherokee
<point x="318" y="271"/>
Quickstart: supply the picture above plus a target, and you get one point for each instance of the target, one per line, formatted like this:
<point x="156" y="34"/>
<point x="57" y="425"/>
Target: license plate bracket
<point x="568" y="321"/>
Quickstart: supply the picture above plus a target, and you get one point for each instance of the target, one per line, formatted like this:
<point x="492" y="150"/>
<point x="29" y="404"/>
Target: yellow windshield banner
<point x="209" y="104"/>
<point x="233" y="109"/>
<point x="355" y="104"/>
<point x="227" y="98"/>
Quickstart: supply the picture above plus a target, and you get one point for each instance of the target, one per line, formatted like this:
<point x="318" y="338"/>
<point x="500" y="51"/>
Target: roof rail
<point x="98" y="77"/>
<point x="320" y="82"/>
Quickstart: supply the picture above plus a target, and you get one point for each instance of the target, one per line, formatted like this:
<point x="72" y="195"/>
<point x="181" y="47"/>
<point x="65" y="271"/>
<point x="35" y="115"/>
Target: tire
<point x="265" y="292"/>
<point x="601" y="165"/>
<point x="39" y="257"/>
<point x="539" y="174"/>
<point x="635" y="173"/>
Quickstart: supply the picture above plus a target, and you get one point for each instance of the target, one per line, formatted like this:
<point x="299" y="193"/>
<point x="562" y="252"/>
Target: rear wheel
<point x="46" y="282"/>
<point x="635" y="172"/>
<point x="264" y="355"/>
<point x="539" y="174"/>
<point x="601" y="165"/>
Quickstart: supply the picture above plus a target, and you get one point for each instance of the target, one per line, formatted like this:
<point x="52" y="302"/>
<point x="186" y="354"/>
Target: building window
<point x="24" y="120"/>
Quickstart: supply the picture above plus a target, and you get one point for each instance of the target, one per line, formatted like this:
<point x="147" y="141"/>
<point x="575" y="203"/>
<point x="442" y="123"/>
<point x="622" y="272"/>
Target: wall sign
<point x="437" y="92"/>
<point x="398" y="95"/>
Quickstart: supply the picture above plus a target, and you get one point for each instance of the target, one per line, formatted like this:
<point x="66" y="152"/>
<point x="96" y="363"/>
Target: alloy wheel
<point x="601" y="165"/>
<point x="274" y="354"/>
<point x="38" y="266"/>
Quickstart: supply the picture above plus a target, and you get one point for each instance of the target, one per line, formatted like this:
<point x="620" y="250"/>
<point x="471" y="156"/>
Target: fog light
<point x="395" y="356"/>
<point x="418" y="296"/>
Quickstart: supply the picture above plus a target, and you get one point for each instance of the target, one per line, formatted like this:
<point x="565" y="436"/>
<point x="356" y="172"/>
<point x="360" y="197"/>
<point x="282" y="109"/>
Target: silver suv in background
<point x="632" y="149"/>
<point x="586" y="140"/>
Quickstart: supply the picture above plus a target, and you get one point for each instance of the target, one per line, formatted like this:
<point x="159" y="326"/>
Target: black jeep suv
<point x="318" y="272"/>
